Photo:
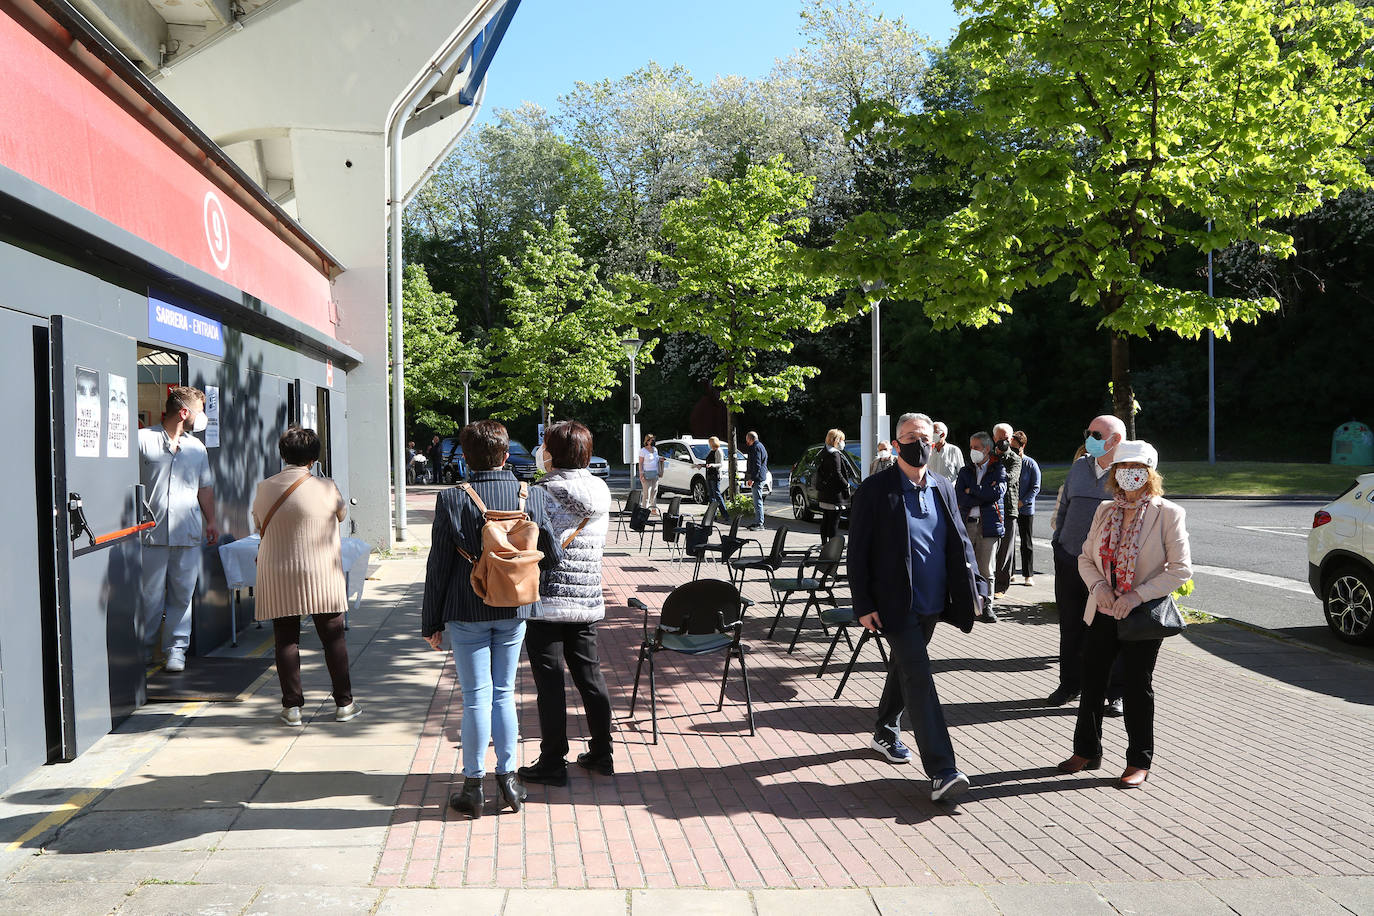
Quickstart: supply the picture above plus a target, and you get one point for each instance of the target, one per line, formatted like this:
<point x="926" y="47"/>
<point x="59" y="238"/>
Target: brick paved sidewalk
<point x="1251" y="778"/>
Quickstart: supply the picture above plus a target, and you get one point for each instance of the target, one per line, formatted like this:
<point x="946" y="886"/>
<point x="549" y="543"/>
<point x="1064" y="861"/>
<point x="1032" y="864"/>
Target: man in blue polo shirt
<point x="911" y="566"/>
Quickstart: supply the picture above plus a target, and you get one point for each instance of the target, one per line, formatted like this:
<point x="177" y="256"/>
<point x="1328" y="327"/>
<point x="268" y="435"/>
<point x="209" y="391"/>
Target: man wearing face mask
<point x="945" y="457"/>
<point x="981" y="489"/>
<point x="910" y="566"/>
<point x="174" y="469"/>
<point x="1010" y="459"/>
<point x="1085" y="489"/>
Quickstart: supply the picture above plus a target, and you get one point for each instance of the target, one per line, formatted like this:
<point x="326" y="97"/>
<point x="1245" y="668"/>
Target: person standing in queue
<point x="832" y="486"/>
<point x="981" y="488"/>
<point x="910" y="566"/>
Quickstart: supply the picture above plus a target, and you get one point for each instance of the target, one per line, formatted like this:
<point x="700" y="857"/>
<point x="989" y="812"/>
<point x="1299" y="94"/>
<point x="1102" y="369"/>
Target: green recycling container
<point x="1353" y="443"/>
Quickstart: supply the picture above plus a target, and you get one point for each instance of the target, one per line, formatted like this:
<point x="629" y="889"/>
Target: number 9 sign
<point x="217" y="230"/>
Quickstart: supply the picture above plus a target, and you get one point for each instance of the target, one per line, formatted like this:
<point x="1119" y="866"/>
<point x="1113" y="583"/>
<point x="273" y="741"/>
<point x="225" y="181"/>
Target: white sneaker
<point x="176" y="660"/>
<point x="291" y="715"/>
<point x="344" y="713"/>
<point x="1029" y="580"/>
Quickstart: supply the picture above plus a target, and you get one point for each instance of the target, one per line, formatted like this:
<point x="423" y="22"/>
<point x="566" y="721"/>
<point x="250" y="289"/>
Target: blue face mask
<point x="1096" y="447"/>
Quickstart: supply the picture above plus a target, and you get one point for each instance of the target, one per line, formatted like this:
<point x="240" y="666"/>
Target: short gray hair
<point x="1007" y="426"/>
<point x="984" y="437"/>
<point x="906" y="418"/>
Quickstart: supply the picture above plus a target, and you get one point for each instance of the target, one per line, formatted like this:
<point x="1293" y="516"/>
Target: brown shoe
<point x="1133" y="778"/>
<point x="1077" y="764"/>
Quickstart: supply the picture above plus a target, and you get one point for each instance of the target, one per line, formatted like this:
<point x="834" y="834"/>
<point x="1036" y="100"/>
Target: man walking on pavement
<point x="1085" y="489"/>
<point x="911" y="566"/>
<point x="945" y="457"/>
<point x="174" y="469"/>
<point x="1006" y="544"/>
<point x="980" y="490"/>
<point x="756" y="474"/>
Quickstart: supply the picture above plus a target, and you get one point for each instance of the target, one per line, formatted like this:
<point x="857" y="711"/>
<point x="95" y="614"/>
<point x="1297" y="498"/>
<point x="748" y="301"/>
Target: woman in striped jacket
<point x="570" y="604"/>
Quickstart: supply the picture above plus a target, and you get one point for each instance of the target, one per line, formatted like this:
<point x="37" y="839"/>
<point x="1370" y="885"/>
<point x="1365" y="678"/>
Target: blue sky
<point x="553" y="43"/>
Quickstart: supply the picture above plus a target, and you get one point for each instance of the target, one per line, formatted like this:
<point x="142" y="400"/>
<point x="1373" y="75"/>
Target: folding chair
<point x="726" y="548"/>
<point x="819" y="586"/>
<point x="674" y="508"/>
<point x="632" y="502"/>
<point x="670" y="528"/>
<point x="697" y="619"/>
<point x="842" y="618"/>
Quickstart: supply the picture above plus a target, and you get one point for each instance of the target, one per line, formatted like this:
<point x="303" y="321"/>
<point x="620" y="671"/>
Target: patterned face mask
<point x="1132" y="479"/>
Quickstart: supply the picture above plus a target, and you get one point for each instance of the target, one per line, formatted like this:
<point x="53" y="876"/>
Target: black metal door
<point x="95" y="482"/>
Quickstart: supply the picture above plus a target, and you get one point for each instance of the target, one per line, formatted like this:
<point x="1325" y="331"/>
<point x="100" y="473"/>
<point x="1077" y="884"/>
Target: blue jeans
<point x="911" y="686"/>
<point x="714" y="494"/>
<point x="486" y="654"/>
<point x="758" y="504"/>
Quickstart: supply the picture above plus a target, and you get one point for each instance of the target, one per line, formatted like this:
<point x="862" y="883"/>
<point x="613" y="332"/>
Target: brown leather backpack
<point x="506" y="571"/>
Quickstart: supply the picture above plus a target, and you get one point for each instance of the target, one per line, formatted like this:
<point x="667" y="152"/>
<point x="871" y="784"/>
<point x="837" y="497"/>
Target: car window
<point x="518" y="451"/>
<point x="701" y="450"/>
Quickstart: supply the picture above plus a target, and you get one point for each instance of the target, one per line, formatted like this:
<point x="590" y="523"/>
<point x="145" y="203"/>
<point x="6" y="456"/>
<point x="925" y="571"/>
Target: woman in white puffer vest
<point x="570" y="604"/>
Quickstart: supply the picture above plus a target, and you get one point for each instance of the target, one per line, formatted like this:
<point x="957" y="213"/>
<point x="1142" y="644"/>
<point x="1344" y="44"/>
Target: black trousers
<point x="286" y="632"/>
<point x="1071" y="595"/>
<point x="1101" y="651"/>
<point x="830" y="524"/>
<point x="1025" y="530"/>
<point x="1006" y="558"/>
<point x="911" y="686"/>
<point x="549" y="646"/>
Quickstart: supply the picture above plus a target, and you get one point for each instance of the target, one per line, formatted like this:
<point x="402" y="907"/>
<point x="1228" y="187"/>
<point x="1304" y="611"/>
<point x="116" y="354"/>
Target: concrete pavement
<point x="1260" y="800"/>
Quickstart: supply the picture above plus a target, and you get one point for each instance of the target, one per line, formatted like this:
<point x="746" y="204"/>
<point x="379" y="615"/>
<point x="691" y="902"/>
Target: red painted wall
<point x="64" y="132"/>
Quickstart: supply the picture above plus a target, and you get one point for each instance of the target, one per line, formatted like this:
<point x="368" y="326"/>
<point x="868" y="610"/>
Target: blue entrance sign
<point x="176" y="324"/>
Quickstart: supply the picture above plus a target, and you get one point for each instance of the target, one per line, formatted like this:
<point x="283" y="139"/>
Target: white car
<point x="684" y="467"/>
<point x="1340" y="561"/>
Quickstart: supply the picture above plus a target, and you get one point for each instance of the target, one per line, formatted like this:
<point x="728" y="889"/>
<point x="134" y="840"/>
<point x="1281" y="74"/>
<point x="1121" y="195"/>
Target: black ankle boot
<point x="471" y="799"/>
<point x="511" y="789"/>
<point x="546" y="771"/>
<point x="597" y="763"/>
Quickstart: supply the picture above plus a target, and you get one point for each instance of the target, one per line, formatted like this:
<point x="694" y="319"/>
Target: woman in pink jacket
<point x="1136" y="551"/>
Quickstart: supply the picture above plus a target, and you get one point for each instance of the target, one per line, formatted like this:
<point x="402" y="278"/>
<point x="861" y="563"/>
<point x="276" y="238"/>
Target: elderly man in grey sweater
<point x="1084" y="490"/>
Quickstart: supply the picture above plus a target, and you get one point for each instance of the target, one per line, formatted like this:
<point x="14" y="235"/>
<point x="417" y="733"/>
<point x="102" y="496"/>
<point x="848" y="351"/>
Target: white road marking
<point x="1254" y="578"/>
<point x="1292" y="531"/>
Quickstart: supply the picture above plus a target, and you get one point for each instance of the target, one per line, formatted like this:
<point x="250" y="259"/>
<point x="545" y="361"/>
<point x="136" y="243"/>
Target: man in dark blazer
<point x="910" y="566"/>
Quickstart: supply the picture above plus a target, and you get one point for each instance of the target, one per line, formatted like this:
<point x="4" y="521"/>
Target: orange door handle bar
<point x="123" y="532"/>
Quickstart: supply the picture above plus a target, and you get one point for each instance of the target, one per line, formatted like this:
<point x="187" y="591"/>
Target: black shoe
<point x="1114" y="709"/>
<point x="470" y="800"/>
<point x="1061" y="696"/>
<point x="546" y="771"/>
<point x="511" y="789"/>
<point x="988" y="615"/>
<point x="597" y="763"/>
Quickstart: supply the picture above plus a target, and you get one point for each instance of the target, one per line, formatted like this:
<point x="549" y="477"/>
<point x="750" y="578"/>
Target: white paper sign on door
<point x="310" y="416"/>
<point x="88" y="413"/>
<point x="117" y="433"/>
<point x="211" y="416"/>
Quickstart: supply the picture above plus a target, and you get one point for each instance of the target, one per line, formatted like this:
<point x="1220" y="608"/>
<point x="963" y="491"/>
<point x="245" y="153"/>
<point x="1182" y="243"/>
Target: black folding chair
<point x="697" y="619"/>
<point x="818" y="587"/>
<point x="769" y="563"/>
<point x="670" y="528"/>
<point x="842" y="618"/>
<point x="632" y="502"/>
<point x="728" y="545"/>
<point x="650" y="523"/>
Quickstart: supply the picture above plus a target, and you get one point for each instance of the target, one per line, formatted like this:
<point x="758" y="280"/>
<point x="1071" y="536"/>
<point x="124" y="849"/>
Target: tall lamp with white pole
<point x="870" y="440"/>
<point x="632" y="345"/>
<point x="466" y="376"/>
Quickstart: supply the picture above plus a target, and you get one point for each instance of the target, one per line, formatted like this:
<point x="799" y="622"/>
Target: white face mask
<point x="542" y="461"/>
<point x="200" y="422"/>
<point x="976" y="455"/>
<point x="1132" y="479"/>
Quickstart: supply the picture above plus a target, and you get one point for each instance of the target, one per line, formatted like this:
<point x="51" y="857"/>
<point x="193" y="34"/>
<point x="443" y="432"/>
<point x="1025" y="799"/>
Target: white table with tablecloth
<point x="240" y="561"/>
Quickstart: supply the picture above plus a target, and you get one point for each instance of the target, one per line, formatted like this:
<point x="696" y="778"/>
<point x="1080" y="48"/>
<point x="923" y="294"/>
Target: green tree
<point x="1102" y="135"/>
<point x="736" y="277"/>
<point x="562" y="342"/>
<point x="435" y="352"/>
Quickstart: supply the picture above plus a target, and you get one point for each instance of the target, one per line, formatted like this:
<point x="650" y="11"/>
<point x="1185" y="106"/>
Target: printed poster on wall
<point x="211" y="416"/>
<point x="88" y="413"/>
<point x="117" y="432"/>
<point x="310" y="416"/>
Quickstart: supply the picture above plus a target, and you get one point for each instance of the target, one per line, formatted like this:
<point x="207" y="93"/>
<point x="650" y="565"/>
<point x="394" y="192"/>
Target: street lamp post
<point x="872" y="444"/>
<point x="631" y="345"/>
<point x="1211" y="373"/>
<point x="466" y="376"/>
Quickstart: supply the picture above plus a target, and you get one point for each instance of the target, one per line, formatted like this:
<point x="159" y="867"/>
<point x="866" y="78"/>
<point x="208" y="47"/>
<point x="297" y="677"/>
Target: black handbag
<point x="1155" y="619"/>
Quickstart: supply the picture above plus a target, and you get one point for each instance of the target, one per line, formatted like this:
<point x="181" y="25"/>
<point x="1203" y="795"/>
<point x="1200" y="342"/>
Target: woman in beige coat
<point x="1136" y="551"/>
<point x="300" y="570"/>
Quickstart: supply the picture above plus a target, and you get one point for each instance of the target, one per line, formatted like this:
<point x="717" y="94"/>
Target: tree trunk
<point x="1123" y="396"/>
<point x="732" y="486"/>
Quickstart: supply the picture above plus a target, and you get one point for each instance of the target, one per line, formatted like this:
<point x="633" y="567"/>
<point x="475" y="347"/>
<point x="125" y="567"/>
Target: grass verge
<point x="1240" y="478"/>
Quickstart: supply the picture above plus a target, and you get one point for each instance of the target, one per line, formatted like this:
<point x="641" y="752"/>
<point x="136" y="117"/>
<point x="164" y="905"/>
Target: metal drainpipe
<point x="396" y="203"/>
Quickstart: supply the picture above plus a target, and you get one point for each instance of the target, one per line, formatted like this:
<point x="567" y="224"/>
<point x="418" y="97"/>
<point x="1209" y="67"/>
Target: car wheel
<point x="699" y="490"/>
<point x="800" y="510"/>
<point x="1349" y="604"/>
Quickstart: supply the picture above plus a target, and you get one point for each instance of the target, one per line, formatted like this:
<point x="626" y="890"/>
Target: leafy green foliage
<point x="562" y="342"/>
<point x="435" y="352"/>
<point x="1102" y="134"/>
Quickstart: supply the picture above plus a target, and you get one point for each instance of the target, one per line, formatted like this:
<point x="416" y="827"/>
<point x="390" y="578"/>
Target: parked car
<point x="802" y="489"/>
<point x="520" y="462"/>
<point x="684" y="467"/>
<point x="1340" y="561"/>
<point x="599" y="467"/>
